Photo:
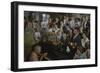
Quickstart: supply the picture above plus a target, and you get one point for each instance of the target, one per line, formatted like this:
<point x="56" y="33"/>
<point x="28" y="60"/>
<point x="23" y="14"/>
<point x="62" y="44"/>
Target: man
<point x="77" y="37"/>
<point x="36" y="54"/>
<point x="72" y="23"/>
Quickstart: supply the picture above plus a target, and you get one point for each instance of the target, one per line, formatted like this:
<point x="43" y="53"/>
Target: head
<point x="36" y="30"/>
<point x="57" y="20"/>
<point x="53" y="21"/>
<point x="29" y="24"/>
<point x="50" y="20"/>
<point x="83" y="36"/>
<point x="76" y="31"/>
<point x="66" y="17"/>
<point x="77" y="19"/>
<point x="36" y="49"/>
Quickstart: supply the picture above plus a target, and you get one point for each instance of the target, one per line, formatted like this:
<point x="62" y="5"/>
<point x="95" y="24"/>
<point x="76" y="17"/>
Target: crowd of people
<point x="57" y="36"/>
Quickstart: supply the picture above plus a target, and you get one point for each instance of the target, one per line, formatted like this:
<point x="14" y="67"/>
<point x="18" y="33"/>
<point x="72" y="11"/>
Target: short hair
<point x="35" y="46"/>
<point x="76" y="28"/>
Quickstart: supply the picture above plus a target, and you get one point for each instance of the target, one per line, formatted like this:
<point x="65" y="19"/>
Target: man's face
<point x="75" y="31"/>
<point x="38" y="49"/>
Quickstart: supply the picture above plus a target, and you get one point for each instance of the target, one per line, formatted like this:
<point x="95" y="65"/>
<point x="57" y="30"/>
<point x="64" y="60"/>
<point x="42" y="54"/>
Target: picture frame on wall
<point x="52" y="36"/>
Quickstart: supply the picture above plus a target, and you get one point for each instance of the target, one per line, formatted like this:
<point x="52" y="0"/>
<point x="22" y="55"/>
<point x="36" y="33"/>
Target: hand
<point x="45" y="54"/>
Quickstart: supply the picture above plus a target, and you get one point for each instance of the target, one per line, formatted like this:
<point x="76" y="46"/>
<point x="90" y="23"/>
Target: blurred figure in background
<point x="84" y="40"/>
<point x="37" y="35"/>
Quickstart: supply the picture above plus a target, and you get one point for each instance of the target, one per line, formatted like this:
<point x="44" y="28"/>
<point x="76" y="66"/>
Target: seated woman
<point x="36" y="54"/>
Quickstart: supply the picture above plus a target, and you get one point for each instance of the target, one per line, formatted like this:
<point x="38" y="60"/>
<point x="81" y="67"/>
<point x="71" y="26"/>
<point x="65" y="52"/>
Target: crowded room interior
<point x="56" y="36"/>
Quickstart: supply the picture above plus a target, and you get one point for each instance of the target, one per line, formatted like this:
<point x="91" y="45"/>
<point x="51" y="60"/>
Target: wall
<point x="5" y="35"/>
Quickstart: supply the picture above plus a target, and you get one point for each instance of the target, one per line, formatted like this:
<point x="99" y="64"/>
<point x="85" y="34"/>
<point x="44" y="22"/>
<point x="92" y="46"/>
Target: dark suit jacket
<point x="77" y="39"/>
